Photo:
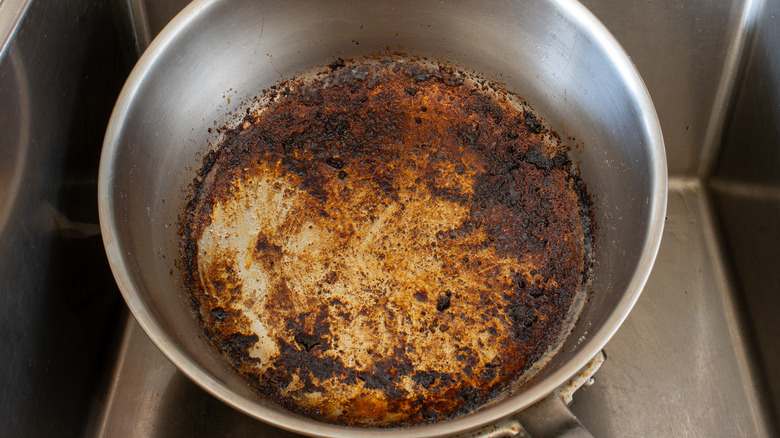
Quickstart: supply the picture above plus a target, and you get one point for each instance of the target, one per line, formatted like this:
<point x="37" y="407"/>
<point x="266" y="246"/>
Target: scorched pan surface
<point x="386" y="244"/>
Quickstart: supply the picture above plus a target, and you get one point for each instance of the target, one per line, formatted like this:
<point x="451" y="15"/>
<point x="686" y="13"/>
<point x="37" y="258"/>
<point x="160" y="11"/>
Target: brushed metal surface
<point x="148" y="397"/>
<point x="687" y="53"/>
<point x="750" y="225"/>
<point x="554" y="54"/>
<point x="746" y="190"/>
<point x="678" y="366"/>
<point x="148" y="18"/>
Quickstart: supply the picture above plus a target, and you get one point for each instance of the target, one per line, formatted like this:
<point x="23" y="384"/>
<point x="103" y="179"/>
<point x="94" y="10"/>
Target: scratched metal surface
<point x="679" y="365"/>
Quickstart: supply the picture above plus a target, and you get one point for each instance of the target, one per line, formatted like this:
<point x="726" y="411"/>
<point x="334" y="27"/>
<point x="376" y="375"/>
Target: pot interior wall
<point x="207" y="66"/>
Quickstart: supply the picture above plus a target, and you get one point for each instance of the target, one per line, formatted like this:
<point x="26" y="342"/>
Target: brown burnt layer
<point x="386" y="244"/>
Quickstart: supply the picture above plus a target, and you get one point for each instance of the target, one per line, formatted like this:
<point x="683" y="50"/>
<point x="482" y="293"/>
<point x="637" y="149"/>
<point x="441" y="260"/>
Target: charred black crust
<point x="188" y="242"/>
<point x="532" y="123"/>
<point x="443" y="303"/>
<point x="337" y="64"/>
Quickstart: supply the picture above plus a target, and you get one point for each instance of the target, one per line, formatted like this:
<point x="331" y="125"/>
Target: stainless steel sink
<point x="698" y="356"/>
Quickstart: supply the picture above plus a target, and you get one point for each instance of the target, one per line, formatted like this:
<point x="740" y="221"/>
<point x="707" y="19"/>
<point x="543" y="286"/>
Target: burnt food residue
<point x="386" y="243"/>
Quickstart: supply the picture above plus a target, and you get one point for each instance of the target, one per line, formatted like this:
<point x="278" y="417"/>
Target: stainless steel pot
<point x="216" y="55"/>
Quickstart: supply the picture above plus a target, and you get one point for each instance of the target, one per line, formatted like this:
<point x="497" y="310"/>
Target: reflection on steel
<point x="11" y="12"/>
<point x="57" y="64"/>
<point x="15" y="126"/>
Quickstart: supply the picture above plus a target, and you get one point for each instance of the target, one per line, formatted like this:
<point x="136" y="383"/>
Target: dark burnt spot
<point x="335" y="162"/>
<point x="443" y="303"/>
<point x="386" y="183"/>
<point x="219" y="314"/>
<point x="263" y="245"/>
<point x="412" y="91"/>
<point x="562" y="161"/>
<point x="517" y="312"/>
<point x="342" y="175"/>
<point x="452" y="79"/>
<point x="430" y="416"/>
<point x="387" y="373"/>
<point x="240" y="341"/>
<point x="237" y="346"/>
<point x="538" y="159"/>
<point x="519" y="281"/>
<point x="208" y="162"/>
<point x="307" y="341"/>
<point x="312" y="97"/>
<point x="314" y="184"/>
<point x="472" y="398"/>
<point x="426" y="379"/>
<point x="488" y="374"/>
<point x="467" y="357"/>
<point x="419" y="73"/>
<point x="381" y="381"/>
<point x="533" y="124"/>
<point x="470" y="134"/>
<point x="496" y="362"/>
<point x="266" y="253"/>
<point x="296" y="361"/>
<point x="335" y="65"/>
<point x="491" y="110"/>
